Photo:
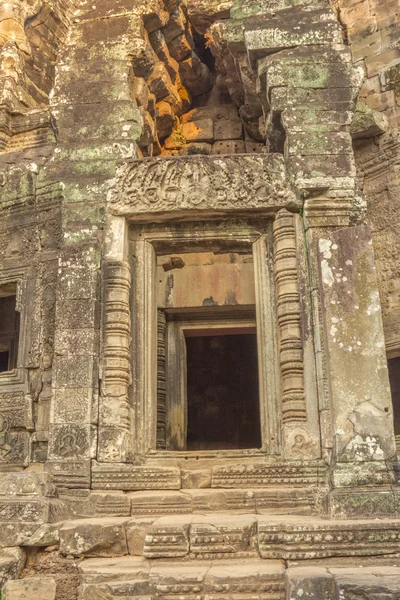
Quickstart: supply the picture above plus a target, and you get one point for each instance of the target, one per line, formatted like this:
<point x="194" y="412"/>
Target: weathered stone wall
<point x="371" y="28"/>
<point x="135" y="81"/>
<point x="373" y="31"/>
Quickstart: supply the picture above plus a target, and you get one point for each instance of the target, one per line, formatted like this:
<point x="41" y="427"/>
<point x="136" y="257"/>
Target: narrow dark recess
<point x="222" y="392"/>
<point x="394" y="377"/>
<point x="4" y="360"/>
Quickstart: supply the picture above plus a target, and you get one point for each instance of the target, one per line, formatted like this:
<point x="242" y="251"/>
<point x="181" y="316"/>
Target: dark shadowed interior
<point x="394" y="376"/>
<point x="222" y="392"/>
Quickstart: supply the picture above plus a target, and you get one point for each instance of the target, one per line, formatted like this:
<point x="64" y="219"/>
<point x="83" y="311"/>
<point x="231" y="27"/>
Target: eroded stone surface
<point x="29" y="589"/>
<point x="116" y="112"/>
<point x="101" y="537"/>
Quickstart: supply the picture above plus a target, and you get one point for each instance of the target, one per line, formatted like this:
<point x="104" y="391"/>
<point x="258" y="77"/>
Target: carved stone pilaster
<point x="114" y="418"/>
<point x="161" y="382"/>
<point x="291" y="347"/>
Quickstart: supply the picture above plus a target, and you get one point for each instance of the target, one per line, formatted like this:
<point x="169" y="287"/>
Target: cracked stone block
<point x="222" y="534"/>
<point x="94" y="537"/>
<point x="136" y="531"/>
<point x="168" y="537"/>
<point x="30" y="589"/>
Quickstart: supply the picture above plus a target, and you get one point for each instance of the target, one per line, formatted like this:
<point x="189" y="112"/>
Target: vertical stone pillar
<point x="363" y="434"/>
<point x="291" y="351"/>
<point x="115" y="423"/>
<point x="73" y="415"/>
<point x="299" y="414"/>
<point x="114" y="418"/>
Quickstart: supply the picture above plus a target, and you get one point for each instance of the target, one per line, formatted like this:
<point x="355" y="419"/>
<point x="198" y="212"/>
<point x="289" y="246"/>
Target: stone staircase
<point x="232" y="554"/>
<point x="133" y="578"/>
<point x="261" y="543"/>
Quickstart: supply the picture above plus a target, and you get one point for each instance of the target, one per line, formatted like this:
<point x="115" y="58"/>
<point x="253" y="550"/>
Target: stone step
<point x="229" y="536"/>
<point x="282" y="500"/>
<point x="128" y="578"/>
<point x="131" y="577"/>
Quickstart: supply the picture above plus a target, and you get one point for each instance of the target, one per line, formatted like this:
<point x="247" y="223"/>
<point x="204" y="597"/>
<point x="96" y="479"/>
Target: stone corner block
<point x="94" y="537"/>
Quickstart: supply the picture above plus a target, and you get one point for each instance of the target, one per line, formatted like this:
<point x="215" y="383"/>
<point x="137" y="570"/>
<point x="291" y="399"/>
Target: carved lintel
<point x="201" y="183"/>
<point x="289" y="319"/>
<point x="116" y="373"/>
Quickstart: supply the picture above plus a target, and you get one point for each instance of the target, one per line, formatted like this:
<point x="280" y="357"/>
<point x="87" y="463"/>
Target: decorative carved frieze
<point x="280" y="500"/>
<point x="27" y="501"/>
<point x="310" y="538"/>
<point x="151" y="504"/>
<point x="114" y="430"/>
<point x="289" y="319"/>
<point x="168" y="537"/>
<point x="259" y="580"/>
<point x="259" y="475"/>
<point x="119" y="476"/>
<point x="201" y="183"/>
<point x="222" y="535"/>
<point x="286" y="501"/>
<point x="70" y="473"/>
<point x="363" y="503"/>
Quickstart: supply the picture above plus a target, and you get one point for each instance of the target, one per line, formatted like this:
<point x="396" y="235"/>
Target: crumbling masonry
<point x="199" y="299"/>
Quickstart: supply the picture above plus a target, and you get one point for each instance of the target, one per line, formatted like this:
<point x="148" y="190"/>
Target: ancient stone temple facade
<point x="199" y="299"/>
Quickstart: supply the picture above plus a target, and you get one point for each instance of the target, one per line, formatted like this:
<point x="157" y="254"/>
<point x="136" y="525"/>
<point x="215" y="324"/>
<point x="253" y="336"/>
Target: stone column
<point x="115" y="436"/>
<point x="300" y="426"/>
<point x="73" y="416"/>
<point x="363" y="434"/>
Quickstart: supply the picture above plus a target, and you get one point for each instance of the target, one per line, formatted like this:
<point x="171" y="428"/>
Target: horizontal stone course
<point x="115" y="577"/>
<point x="261" y="580"/>
<point x="222" y="536"/>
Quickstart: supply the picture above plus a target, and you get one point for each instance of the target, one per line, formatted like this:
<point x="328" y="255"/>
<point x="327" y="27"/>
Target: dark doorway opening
<point x="9" y="330"/>
<point x="394" y="377"/>
<point x="222" y="390"/>
<point x="4" y="361"/>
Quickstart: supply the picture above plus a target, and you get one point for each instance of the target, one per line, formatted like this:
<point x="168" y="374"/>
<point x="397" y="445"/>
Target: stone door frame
<point x="144" y="303"/>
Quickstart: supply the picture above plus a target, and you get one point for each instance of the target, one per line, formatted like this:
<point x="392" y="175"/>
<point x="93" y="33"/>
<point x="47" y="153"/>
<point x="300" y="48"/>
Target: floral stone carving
<point x="202" y="183"/>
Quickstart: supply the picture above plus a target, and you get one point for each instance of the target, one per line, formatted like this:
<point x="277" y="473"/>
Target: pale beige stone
<point x="94" y="537"/>
<point x="30" y="589"/>
<point x="136" y="531"/>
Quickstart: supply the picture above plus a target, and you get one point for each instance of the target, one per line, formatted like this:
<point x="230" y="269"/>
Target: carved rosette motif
<point x="116" y="375"/>
<point x="289" y="319"/>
